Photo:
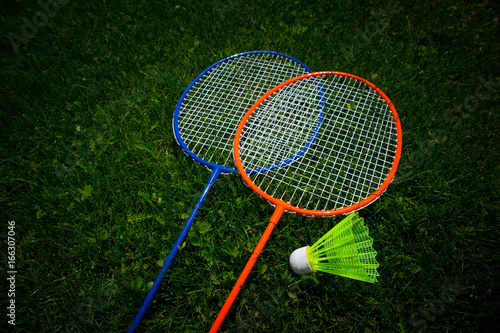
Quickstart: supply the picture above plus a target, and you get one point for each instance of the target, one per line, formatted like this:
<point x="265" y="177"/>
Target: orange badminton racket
<point x="351" y="162"/>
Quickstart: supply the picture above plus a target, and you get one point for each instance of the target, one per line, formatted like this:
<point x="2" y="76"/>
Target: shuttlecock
<point x="346" y="250"/>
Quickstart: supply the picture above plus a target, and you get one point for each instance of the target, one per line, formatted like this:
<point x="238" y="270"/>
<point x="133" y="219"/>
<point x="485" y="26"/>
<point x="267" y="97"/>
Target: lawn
<point x="95" y="189"/>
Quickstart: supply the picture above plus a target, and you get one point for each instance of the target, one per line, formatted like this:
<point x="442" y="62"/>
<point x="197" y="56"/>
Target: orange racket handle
<point x="246" y="271"/>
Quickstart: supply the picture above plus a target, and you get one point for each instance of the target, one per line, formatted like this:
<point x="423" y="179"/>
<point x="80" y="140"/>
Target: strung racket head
<point x="209" y="110"/>
<point x="352" y="160"/>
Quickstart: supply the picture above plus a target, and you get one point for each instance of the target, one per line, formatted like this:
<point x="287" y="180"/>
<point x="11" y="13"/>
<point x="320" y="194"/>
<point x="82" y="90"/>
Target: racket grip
<point x="175" y="249"/>
<point x="246" y="271"/>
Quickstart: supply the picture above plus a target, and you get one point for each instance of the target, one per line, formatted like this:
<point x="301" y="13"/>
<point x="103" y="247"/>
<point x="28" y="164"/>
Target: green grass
<point x="99" y="189"/>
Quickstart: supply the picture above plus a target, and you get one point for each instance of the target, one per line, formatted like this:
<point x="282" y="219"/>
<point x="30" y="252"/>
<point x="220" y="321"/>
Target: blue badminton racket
<point x="206" y="118"/>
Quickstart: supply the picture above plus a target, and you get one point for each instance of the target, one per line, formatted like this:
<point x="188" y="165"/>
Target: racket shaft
<point x="246" y="271"/>
<point x="185" y="230"/>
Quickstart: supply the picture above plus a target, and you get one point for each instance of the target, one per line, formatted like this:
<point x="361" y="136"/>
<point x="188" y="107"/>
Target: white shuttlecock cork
<point x="299" y="263"/>
<point x="346" y="250"/>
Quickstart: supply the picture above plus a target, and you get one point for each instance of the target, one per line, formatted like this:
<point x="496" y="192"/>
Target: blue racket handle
<point x="151" y="294"/>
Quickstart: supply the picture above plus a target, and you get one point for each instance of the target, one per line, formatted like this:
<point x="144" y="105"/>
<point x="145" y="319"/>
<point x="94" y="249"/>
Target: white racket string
<point x="348" y="160"/>
<point x="214" y="106"/>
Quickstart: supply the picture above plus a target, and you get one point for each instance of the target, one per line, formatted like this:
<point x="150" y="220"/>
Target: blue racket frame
<point x="216" y="170"/>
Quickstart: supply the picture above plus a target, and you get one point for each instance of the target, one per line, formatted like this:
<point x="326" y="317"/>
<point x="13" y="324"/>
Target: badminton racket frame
<point x="280" y="205"/>
<point x="216" y="170"/>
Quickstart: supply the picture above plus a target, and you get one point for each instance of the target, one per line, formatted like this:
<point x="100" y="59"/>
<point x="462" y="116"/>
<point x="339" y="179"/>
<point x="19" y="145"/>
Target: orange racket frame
<point x="280" y="205"/>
